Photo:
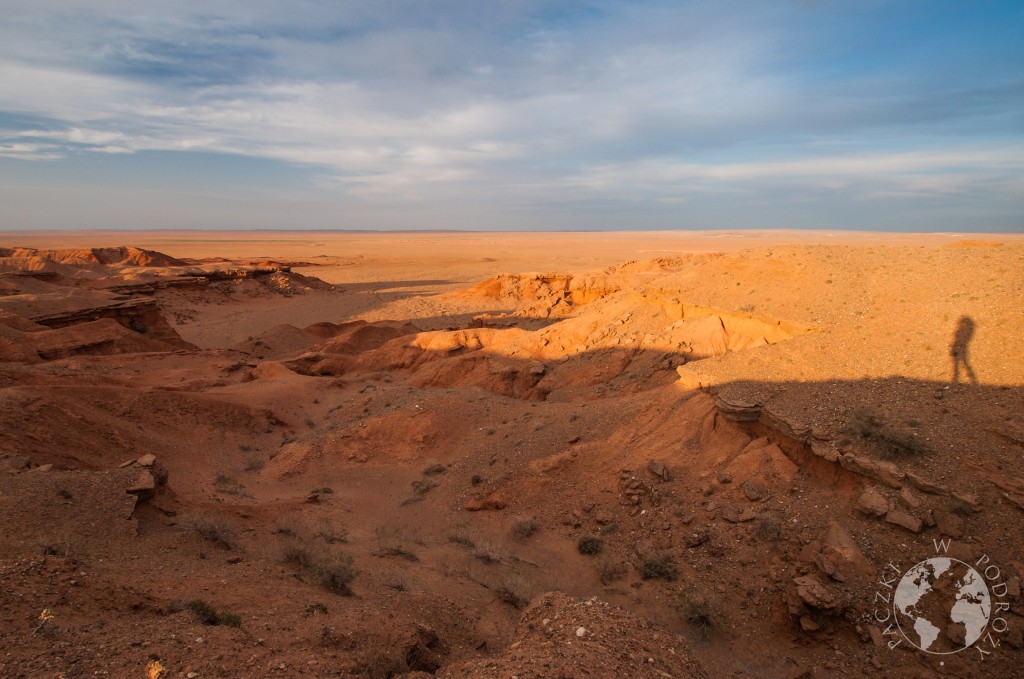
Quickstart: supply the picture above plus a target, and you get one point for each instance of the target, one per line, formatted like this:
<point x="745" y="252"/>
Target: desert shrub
<point x="393" y="542"/>
<point x="330" y="568"/>
<point x="333" y="570"/>
<point x="767" y="528"/>
<point x="434" y="469"/>
<point x="588" y="544"/>
<point x="217" y="532"/>
<point x="659" y="567"/>
<point x="331" y="533"/>
<point x="228" y="485"/>
<point x="208" y="615"/>
<point x="57" y="547"/>
<point x="462" y="539"/>
<point x="489" y="552"/>
<point x="423" y="486"/>
<point x="872" y="430"/>
<point x="476" y="480"/>
<point x="960" y="508"/>
<point x="523" y="528"/>
<point x="514" y="588"/>
<point x="610" y="570"/>
<point x="254" y="464"/>
<point x="697" y="609"/>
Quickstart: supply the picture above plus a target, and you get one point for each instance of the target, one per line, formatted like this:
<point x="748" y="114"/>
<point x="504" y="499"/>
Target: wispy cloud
<point x="549" y="104"/>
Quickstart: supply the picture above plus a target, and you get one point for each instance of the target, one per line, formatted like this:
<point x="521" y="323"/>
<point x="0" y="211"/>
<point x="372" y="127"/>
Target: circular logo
<point x="942" y="605"/>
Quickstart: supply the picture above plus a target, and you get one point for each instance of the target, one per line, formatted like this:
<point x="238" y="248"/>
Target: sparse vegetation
<point x="434" y="469"/>
<point x="476" y="480"/>
<point x="423" y="486"/>
<point x="393" y="542"/>
<point x="229" y="485"/>
<point x="659" y="568"/>
<point x="330" y="532"/>
<point x="588" y="544"/>
<point x="767" y="528"/>
<point x="610" y="570"/>
<point x="254" y="464"/>
<point x="322" y="490"/>
<point x="488" y="552"/>
<point x="697" y="609"/>
<point x="215" y="531"/>
<point x="514" y="588"/>
<point x="328" y="567"/>
<point x="208" y="615"/>
<point x="64" y="493"/>
<point x="960" y="508"/>
<point x="871" y="429"/>
<point x="523" y="528"/>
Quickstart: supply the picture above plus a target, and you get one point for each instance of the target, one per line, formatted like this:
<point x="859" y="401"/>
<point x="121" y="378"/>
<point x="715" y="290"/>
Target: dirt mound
<point x="560" y="636"/>
<point x="104" y="337"/>
<point x="553" y="294"/>
<point x="323" y="341"/>
<point x="84" y="257"/>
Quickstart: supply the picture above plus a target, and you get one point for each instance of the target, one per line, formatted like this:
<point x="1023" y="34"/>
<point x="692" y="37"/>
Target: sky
<point x="502" y="115"/>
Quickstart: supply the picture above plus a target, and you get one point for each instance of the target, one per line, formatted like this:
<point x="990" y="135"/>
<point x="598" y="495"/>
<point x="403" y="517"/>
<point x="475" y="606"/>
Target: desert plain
<point x="630" y="454"/>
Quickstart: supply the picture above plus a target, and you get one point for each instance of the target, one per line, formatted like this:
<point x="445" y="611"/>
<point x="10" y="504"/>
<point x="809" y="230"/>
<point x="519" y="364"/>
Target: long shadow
<point x="958" y="349"/>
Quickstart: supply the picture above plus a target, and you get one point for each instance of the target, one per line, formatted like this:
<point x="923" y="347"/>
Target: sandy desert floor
<point x="492" y="455"/>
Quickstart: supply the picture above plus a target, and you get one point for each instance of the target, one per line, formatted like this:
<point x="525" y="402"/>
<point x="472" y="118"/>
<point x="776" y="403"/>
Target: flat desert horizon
<point x="495" y="454"/>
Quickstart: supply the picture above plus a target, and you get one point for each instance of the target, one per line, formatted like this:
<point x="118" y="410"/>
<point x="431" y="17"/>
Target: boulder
<point x="872" y="503"/>
<point x="904" y="520"/>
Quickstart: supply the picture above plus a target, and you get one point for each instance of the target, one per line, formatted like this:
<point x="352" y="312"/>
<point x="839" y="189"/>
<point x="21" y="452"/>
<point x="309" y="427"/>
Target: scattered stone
<point x="969" y="499"/>
<point x="813" y="593"/>
<point x="142" y="483"/>
<point x="909" y="499"/>
<point x="904" y="520"/>
<point x="43" y="468"/>
<point x="754" y="491"/>
<point x="581" y="632"/>
<point x="924" y="485"/>
<point x="494" y="501"/>
<point x="1013" y="586"/>
<point x="659" y="470"/>
<point x="807" y="624"/>
<point x="876" y="635"/>
<point x="1016" y="500"/>
<point x="872" y="503"/>
<point x="734" y="514"/>
<point x="147" y="460"/>
<point x="697" y="537"/>
<point x="842" y="551"/>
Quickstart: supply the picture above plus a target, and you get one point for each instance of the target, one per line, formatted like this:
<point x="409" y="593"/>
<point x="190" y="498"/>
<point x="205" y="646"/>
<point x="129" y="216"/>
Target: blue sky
<point x="494" y="114"/>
